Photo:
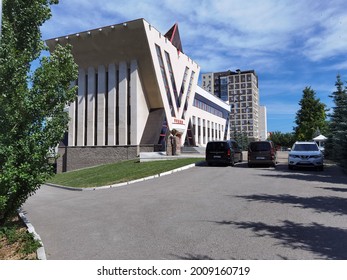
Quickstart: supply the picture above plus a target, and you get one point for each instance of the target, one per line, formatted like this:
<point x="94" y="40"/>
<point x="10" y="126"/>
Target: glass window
<point x="166" y="84"/>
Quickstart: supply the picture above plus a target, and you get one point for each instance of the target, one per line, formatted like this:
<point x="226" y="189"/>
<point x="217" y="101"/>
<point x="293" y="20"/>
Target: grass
<point x="16" y="243"/>
<point x="109" y="174"/>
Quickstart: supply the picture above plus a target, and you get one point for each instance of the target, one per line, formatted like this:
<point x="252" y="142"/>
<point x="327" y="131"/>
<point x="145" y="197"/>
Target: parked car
<point x="262" y="153"/>
<point x="306" y="154"/>
<point x="224" y="152"/>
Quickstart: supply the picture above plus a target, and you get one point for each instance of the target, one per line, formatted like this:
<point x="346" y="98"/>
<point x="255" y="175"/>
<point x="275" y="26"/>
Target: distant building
<point x="135" y="87"/>
<point x="240" y="90"/>
<point x="263" y="134"/>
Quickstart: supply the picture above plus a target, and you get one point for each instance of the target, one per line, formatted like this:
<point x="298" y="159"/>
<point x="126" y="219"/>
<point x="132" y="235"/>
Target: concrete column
<point x="206" y="135"/>
<point x="123" y="103"/>
<point x="91" y="107"/>
<point x="81" y="101"/>
<point x="201" y="132"/>
<point x="101" y="105"/>
<point x="220" y="132"/>
<point x="72" y="122"/>
<point x="112" y="94"/>
<point x="195" y="123"/>
<point x="134" y="84"/>
<point x="212" y="131"/>
<point x="209" y="131"/>
<point x="197" y="131"/>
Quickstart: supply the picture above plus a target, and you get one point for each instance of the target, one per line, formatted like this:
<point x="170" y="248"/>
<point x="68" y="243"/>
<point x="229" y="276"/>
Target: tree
<point x="336" y="146"/>
<point x="242" y="140"/>
<point x="282" y="139"/>
<point x="32" y="116"/>
<point x="310" y="117"/>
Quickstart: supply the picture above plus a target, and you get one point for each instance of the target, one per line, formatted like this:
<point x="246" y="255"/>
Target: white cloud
<point x="252" y="29"/>
<point x="332" y="41"/>
<point x="290" y="44"/>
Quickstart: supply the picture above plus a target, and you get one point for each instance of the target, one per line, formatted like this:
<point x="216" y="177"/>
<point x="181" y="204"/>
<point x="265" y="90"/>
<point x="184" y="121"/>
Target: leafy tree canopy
<point x="336" y="146"/>
<point x="32" y="116"/>
<point x="310" y="117"/>
<point x="282" y="139"/>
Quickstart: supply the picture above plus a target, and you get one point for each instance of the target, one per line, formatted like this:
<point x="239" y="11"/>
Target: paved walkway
<point x="200" y="213"/>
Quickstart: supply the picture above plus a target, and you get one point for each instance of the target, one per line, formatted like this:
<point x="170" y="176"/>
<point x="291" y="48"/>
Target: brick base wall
<point x="72" y="158"/>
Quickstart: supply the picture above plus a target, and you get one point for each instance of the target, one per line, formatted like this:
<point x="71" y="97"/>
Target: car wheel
<point x="250" y="165"/>
<point x="209" y="163"/>
<point x="232" y="161"/>
<point x="320" y="168"/>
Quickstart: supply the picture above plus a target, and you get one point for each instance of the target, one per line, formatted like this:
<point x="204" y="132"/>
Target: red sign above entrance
<point x="178" y="121"/>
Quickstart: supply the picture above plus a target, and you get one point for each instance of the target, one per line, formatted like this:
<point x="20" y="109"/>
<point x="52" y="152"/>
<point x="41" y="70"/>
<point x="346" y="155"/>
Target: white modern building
<point x="135" y="86"/>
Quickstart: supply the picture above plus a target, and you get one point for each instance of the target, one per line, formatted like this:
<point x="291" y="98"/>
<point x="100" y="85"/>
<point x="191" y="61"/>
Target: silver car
<point x="305" y="154"/>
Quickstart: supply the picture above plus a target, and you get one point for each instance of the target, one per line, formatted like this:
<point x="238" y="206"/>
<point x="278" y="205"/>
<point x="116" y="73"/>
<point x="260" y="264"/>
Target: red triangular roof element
<point x="174" y="36"/>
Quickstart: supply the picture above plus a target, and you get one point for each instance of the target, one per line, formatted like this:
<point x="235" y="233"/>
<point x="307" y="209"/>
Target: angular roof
<point x="320" y="138"/>
<point x="174" y="36"/>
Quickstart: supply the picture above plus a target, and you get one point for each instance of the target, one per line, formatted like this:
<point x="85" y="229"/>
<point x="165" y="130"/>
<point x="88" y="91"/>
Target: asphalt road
<point x="201" y="213"/>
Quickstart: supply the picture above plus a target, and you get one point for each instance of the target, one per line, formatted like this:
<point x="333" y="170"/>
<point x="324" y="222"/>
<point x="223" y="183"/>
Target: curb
<point x="41" y="254"/>
<point x="125" y="183"/>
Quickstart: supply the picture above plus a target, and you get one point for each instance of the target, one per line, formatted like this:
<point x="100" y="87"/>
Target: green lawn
<point x="117" y="172"/>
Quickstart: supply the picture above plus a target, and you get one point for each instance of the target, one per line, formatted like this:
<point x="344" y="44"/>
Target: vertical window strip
<point x="188" y="94"/>
<point x="76" y="115"/>
<point x="86" y="110"/>
<point x="106" y="108"/>
<point x="117" y="107"/>
<point x="183" y="86"/>
<point x="96" y="89"/>
<point x="172" y="77"/>
<point x="166" y="84"/>
<point x="129" y="108"/>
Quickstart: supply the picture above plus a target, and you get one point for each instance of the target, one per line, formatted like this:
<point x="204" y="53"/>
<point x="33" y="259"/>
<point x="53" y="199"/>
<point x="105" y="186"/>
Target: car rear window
<point x="217" y="146"/>
<point x="305" y="147"/>
<point x="260" y="146"/>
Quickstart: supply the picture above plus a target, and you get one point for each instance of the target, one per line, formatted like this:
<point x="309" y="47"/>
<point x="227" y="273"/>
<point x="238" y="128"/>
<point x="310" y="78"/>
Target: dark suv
<point x="225" y="152"/>
<point x="262" y="152"/>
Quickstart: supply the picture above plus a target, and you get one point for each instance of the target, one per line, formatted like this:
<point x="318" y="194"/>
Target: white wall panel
<point x="123" y="103"/>
<point x="91" y="107"/>
<point x="81" y="107"/>
<point x="112" y="96"/>
<point x="139" y="108"/>
<point x="101" y="106"/>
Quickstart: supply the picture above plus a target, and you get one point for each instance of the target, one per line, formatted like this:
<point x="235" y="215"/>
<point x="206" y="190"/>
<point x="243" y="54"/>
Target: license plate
<point x="217" y="157"/>
<point x="260" y="158"/>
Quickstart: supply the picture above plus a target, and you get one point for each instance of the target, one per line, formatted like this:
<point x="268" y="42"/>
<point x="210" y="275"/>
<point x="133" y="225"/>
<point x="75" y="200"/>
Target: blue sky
<point x="290" y="44"/>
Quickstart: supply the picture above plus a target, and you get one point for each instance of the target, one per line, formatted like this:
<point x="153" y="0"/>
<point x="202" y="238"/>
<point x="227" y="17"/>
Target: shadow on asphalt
<point x="327" y="242"/>
<point x="332" y="174"/>
<point x="191" y="257"/>
<point x="328" y="204"/>
<point x="237" y="165"/>
<point x="334" y="189"/>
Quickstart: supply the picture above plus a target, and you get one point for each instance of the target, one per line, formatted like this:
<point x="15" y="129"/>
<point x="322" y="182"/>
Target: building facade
<point x="240" y="90"/>
<point x="263" y="134"/>
<point x="135" y="87"/>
